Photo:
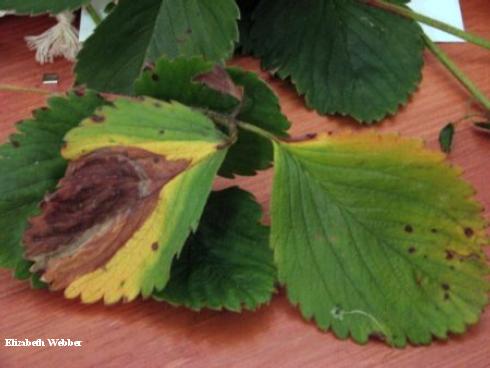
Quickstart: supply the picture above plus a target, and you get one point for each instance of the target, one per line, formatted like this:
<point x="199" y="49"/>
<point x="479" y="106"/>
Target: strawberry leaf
<point x="139" y="175"/>
<point x="180" y="80"/>
<point x="346" y="57"/>
<point x="137" y="32"/>
<point x="227" y="264"/>
<point x="30" y="167"/>
<point x="374" y="235"/>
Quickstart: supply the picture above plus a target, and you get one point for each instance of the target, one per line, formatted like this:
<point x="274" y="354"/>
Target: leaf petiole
<point x="408" y="13"/>
<point x="255" y="129"/>
<point x="457" y="73"/>
<point x="231" y="123"/>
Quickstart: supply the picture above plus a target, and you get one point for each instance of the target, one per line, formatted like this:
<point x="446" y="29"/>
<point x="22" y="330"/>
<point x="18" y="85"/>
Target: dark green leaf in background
<point x="346" y="57"/>
<point x="227" y="264"/>
<point x="40" y="6"/>
<point x="247" y="7"/>
<point x="137" y="32"/>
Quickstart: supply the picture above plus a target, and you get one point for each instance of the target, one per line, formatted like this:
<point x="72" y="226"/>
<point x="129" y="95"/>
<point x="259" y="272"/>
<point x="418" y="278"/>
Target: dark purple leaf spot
<point x="449" y="255"/>
<point x="98" y="118"/>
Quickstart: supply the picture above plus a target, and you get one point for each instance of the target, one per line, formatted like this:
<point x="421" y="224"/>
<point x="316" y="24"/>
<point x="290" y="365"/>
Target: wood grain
<point x="149" y="334"/>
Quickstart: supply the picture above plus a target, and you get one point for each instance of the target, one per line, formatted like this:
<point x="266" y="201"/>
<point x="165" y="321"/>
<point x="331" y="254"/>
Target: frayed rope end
<point x="59" y="40"/>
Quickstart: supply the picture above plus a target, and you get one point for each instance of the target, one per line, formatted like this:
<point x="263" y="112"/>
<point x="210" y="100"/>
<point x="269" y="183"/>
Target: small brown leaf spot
<point x="311" y="135"/>
<point x="433" y="231"/>
<point x="469" y="232"/>
<point x="123" y="282"/>
<point x="155" y="77"/>
<point x="189" y="31"/>
<point x="445" y="286"/>
<point x="97" y="118"/>
<point x="449" y="255"/>
<point x="425" y="256"/>
<point x="452" y="268"/>
<point x="446" y="296"/>
<point x="15" y="144"/>
<point x="156" y="160"/>
<point x="377" y="335"/>
<point x="412" y="250"/>
<point x="161" y="131"/>
<point x="154" y="246"/>
<point x="330" y="132"/>
<point x="157" y="104"/>
<point x="408" y="229"/>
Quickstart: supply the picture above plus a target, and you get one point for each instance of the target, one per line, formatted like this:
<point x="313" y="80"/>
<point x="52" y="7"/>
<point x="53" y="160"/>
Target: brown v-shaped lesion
<point x="104" y="198"/>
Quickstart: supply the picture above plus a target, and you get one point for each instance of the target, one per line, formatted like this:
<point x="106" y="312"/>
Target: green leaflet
<point x="175" y="80"/>
<point x="139" y="175"/>
<point x="137" y="32"/>
<point x="346" y="57"/>
<point x="227" y="264"/>
<point x="373" y="235"/>
<point x="41" y="6"/>
<point x="31" y="165"/>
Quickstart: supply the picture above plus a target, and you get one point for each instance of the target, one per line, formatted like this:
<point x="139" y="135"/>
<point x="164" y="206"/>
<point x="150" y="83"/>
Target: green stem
<point x="231" y="123"/>
<point x="407" y="13"/>
<point x="17" y="89"/>
<point x="458" y="73"/>
<point x="93" y="14"/>
<point x="255" y="129"/>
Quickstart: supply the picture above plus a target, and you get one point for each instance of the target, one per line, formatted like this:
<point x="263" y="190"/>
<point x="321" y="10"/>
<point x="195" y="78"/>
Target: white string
<point x="59" y="40"/>
<point x="339" y="314"/>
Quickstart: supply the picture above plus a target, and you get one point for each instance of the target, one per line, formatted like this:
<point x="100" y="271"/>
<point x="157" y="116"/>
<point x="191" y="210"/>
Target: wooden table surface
<point x="150" y="334"/>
